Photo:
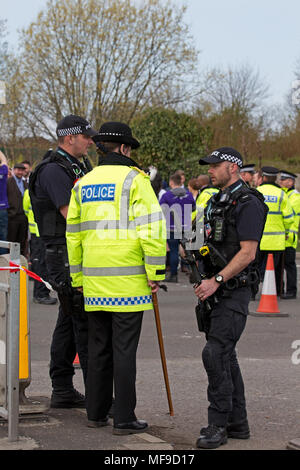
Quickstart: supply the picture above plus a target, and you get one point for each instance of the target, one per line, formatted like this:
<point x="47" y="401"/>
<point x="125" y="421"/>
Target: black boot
<point x="211" y="437"/>
<point x="238" y="430"/>
<point x="67" y="399"/>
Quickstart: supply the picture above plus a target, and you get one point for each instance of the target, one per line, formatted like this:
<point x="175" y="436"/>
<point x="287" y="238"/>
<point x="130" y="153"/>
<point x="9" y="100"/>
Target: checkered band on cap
<point x="111" y="133"/>
<point x="227" y="157"/>
<point x="69" y="131"/>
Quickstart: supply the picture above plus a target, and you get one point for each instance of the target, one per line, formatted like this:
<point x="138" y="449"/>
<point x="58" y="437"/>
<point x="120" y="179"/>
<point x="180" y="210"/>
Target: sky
<point x="264" y="34"/>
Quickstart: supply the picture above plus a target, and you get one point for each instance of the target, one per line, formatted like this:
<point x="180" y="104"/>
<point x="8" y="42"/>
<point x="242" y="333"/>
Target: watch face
<point x="219" y="278"/>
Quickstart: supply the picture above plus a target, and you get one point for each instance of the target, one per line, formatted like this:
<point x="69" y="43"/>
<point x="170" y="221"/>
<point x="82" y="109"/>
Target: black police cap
<point x="223" y="154"/>
<point x="74" y="125"/>
<point x="116" y="132"/>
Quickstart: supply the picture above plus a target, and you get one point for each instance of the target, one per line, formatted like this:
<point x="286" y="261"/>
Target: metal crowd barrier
<point x="9" y="341"/>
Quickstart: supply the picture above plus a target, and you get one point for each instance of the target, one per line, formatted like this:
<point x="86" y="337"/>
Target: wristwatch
<point x="219" y="278"/>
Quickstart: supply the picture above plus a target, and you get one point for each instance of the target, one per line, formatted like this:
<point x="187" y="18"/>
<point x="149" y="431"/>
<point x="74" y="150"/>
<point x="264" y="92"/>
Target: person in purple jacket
<point x="177" y="205"/>
<point x="3" y="200"/>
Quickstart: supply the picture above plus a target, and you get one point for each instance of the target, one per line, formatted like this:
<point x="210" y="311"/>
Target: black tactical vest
<point x="51" y="223"/>
<point x="220" y="222"/>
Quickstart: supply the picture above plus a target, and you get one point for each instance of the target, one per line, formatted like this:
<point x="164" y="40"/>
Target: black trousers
<point x="71" y="332"/>
<point x="113" y="342"/>
<point x="277" y="257"/>
<point x="291" y="270"/>
<point x="17" y="231"/>
<point x="38" y="265"/>
<point x="225" y="391"/>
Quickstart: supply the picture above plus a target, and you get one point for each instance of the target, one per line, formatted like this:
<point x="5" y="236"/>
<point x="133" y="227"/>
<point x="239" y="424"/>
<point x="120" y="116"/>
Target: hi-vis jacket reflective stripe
<point x="279" y="219"/>
<point x="202" y="200"/>
<point x="205" y="196"/>
<point x="116" y="238"/>
<point x="294" y="198"/>
<point x="33" y="228"/>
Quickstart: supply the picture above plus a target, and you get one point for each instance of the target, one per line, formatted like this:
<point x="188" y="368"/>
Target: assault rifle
<point x="203" y="309"/>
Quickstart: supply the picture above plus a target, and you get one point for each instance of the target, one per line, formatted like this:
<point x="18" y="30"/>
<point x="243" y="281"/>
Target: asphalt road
<point x="269" y="363"/>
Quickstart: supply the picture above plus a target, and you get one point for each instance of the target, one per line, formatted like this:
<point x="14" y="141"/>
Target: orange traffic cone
<point x="76" y="362"/>
<point x="268" y="303"/>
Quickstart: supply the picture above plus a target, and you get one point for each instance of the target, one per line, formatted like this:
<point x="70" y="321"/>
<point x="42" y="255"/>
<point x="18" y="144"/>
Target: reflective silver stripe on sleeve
<point x="274" y="233"/>
<point x="148" y="219"/>
<point x="73" y="228"/>
<point x="76" y="190"/>
<point x="288" y="216"/>
<point x="125" y="199"/>
<point x="154" y="260"/>
<point x="281" y="199"/>
<point x="75" y="269"/>
<point x="114" y="271"/>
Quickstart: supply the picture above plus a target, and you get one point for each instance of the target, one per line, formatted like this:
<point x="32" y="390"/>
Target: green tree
<point x="170" y="141"/>
<point x="103" y="59"/>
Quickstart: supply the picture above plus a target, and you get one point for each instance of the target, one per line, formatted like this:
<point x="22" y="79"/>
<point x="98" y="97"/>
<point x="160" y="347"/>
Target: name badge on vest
<point x="98" y="192"/>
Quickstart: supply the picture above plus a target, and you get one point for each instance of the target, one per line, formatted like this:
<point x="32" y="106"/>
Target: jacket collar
<point x="114" y="158"/>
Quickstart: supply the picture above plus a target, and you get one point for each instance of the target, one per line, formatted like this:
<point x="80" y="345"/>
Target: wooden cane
<point x="162" y="351"/>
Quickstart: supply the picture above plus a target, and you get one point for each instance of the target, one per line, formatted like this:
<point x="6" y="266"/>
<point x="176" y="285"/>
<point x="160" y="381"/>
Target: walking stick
<point x="162" y="351"/>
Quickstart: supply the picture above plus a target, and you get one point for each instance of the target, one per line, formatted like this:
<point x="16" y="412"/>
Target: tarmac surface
<point x="269" y="356"/>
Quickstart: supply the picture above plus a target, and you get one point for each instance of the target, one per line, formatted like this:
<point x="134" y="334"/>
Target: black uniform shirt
<point x="249" y="217"/>
<point x="54" y="183"/>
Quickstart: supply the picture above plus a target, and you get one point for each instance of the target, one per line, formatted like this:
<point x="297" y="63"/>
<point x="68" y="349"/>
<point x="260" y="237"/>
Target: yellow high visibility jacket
<point x="294" y="198"/>
<point x="279" y="219"/>
<point x="201" y="202"/>
<point x="116" y="239"/>
<point x="33" y="228"/>
<point x="205" y="196"/>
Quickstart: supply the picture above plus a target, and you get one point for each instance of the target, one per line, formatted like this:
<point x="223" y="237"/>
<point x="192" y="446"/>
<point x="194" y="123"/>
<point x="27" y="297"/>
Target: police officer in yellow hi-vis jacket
<point x="287" y="183"/>
<point x="279" y="219"/>
<point x="116" y="237"/>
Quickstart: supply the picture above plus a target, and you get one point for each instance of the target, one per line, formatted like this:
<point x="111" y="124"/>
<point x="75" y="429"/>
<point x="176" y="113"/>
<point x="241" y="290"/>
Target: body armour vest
<point x="51" y="223"/>
<point x="220" y="222"/>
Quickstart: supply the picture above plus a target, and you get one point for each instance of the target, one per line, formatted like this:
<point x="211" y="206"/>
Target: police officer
<point x="279" y="220"/>
<point x="247" y="173"/>
<point x="37" y="256"/>
<point x="206" y="190"/>
<point x="287" y="183"/>
<point x="50" y="190"/>
<point x="234" y="221"/>
<point x="116" y="238"/>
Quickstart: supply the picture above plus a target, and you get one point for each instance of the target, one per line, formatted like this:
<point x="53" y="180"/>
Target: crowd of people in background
<point x="17" y="222"/>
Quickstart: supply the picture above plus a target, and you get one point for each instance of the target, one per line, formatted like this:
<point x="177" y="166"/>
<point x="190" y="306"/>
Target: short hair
<point x="179" y="172"/>
<point x="111" y="146"/>
<point x="194" y="183"/>
<point x="176" y="178"/>
<point x="270" y="179"/>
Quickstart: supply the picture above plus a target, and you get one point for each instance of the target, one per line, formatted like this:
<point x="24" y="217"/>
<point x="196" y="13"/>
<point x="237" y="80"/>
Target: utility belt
<point x="248" y="278"/>
<point x="217" y="262"/>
